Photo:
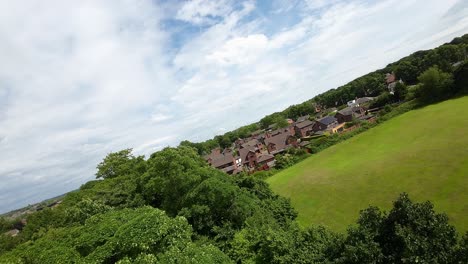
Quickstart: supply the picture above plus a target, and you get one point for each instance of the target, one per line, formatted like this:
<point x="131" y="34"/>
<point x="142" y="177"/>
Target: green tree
<point x="281" y="122"/>
<point x="461" y="79"/>
<point x="407" y="71"/>
<point x="409" y="233"/>
<point x="120" y="163"/>
<point x="400" y="91"/>
<point x="435" y="84"/>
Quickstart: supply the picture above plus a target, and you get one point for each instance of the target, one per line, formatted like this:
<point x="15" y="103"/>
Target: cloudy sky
<point x="80" y="79"/>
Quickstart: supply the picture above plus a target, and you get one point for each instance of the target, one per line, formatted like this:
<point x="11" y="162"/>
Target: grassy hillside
<point x="422" y="152"/>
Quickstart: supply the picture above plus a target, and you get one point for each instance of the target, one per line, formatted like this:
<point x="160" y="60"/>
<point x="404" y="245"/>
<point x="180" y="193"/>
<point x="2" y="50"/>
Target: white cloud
<point x="240" y="50"/>
<point x="204" y="11"/>
<point x="78" y="77"/>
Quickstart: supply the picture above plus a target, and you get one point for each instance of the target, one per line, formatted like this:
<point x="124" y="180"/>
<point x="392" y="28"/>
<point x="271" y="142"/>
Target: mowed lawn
<point x="423" y="152"/>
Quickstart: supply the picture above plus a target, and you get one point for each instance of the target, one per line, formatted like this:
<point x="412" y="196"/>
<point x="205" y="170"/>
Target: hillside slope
<point x="422" y="152"/>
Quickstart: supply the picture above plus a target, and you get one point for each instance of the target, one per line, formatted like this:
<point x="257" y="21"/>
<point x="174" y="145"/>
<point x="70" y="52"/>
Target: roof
<point x="305" y="123"/>
<point x="349" y="110"/>
<point x="281" y="130"/>
<point x="279" y="141"/>
<point x="302" y="118"/>
<point x="327" y="120"/>
<point x="251" y="143"/>
<point x="257" y="132"/>
<point x="244" y="151"/>
<point x="364" y="100"/>
<point x="265" y="157"/>
<point x="390" y="77"/>
<point x="304" y="143"/>
<point x="221" y="160"/>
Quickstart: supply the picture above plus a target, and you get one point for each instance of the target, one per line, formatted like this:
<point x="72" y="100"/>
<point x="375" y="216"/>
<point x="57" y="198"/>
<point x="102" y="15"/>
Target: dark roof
<point x="305" y="123"/>
<point x="251" y="143"/>
<point x="279" y="141"/>
<point x="265" y="157"/>
<point x="302" y="118"/>
<point x="327" y="120"/>
<point x="349" y="110"/>
<point x="244" y="151"/>
<point x="364" y="100"/>
<point x="229" y="168"/>
<point x="221" y="160"/>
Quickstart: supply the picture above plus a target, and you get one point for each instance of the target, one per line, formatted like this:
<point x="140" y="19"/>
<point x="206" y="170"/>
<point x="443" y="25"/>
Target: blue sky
<point x="80" y="79"/>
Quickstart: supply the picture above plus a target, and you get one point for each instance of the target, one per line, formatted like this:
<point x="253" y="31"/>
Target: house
<point x="337" y="128"/>
<point x="390" y="78"/>
<point x="347" y="114"/>
<point x="364" y="100"/>
<point x="324" y="123"/>
<point x="288" y="130"/>
<point x="248" y="157"/>
<point x="279" y="143"/>
<point x="351" y="103"/>
<point x="391" y="81"/>
<point x="225" y="161"/>
<point x="266" y="161"/>
<point x="304" y="128"/>
<point x="254" y="142"/>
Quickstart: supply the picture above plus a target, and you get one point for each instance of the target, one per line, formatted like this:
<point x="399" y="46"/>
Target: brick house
<point x="324" y="123"/>
<point x="303" y="128"/>
<point x="347" y="114"/>
<point x="279" y="143"/>
<point x="225" y="161"/>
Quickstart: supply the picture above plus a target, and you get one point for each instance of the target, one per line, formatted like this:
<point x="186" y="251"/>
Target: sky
<point x="81" y="79"/>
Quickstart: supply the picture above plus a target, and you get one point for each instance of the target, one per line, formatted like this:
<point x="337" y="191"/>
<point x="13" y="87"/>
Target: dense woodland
<point x="174" y="208"/>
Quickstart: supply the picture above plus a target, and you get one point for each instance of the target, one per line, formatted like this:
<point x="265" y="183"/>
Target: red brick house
<point x="325" y="123"/>
<point x="248" y="156"/>
<point x="266" y="161"/>
<point x="347" y="114"/>
<point x="280" y="143"/>
<point x="225" y="161"/>
<point x="303" y="128"/>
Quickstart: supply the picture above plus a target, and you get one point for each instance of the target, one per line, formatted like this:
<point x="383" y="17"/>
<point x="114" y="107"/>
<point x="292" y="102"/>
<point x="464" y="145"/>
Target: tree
<point x="120" y="163"/>
<point x="281" y="122"/>
<point x="435" y="84"/>
<point x="400" y="91"/>
<point x="409" y="233"/>
<point x="407" y="71"/>
<point x="461" y="78"/>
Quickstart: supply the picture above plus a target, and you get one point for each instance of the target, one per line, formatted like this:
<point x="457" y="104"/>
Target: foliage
<point x="145" y="234"/>
<point x="409" y="233"/>
<point x="435" y="85"/>
<point x="461" y="79"/>
<point x="400" y="91"/>
<point x="120" y="163"/>
<point x="382" y="100"/>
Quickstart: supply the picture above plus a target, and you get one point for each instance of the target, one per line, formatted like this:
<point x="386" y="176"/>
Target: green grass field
<point x="423" y="152"/>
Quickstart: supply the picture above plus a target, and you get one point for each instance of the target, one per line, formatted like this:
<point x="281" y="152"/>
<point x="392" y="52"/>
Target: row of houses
<point x="258" y="151"/>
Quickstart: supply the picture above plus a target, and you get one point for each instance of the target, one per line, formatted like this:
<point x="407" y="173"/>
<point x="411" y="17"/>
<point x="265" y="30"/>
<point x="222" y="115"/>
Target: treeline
<point x="174" y="208"/>
<point x="408" y="69"/>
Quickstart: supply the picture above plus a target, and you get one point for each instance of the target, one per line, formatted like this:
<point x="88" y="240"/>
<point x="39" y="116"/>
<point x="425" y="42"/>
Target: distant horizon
<point x="83" y="79"/>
